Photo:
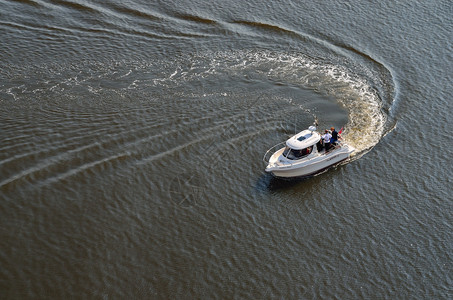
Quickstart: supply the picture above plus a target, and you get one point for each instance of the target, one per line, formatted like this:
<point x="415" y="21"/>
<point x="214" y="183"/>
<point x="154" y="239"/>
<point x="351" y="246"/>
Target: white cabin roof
<point x="303" y="139"/>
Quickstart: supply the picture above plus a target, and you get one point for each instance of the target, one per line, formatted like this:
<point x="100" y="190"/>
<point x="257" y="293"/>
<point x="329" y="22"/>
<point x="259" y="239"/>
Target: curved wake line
<point x="367" y="123"/>
<point x="360" y="83"/>
<point x="358" y="94"/>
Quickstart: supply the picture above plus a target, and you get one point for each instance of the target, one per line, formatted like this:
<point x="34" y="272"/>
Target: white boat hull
<point x="312" y="165"/>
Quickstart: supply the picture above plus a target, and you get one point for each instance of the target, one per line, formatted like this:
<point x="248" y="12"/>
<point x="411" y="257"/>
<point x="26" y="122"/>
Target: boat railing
<point x="267" y="156"/>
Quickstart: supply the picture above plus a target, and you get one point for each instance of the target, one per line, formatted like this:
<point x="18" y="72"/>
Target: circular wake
<point x="363" y="94"/>
<point x="280" y="87"/>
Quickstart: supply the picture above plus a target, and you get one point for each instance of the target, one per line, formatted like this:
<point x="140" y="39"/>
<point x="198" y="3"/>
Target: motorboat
<point x="303" y="155"/>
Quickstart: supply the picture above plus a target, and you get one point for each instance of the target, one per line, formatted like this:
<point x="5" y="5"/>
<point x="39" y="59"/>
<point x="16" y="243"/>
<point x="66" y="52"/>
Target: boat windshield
<point x="296" y="154"/>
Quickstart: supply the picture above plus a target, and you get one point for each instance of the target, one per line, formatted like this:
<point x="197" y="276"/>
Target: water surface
<point x="132" y="137"/>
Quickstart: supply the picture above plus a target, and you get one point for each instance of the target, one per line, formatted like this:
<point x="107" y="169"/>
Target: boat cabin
<point x="302" y="144"/>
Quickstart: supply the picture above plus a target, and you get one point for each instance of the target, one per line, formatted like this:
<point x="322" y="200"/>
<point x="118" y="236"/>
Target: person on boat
<point x="306" y="151"/>
<point x="334" y="138"/>
<point x="319" y="145"/>
<point x="326" y="138"/>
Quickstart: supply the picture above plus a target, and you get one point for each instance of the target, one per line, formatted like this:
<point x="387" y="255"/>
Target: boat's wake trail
<point x="285" y="84"/>
<point x="363" y="91"/>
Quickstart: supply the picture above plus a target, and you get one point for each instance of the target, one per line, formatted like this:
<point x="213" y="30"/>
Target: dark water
<point x="132" y="135"/>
